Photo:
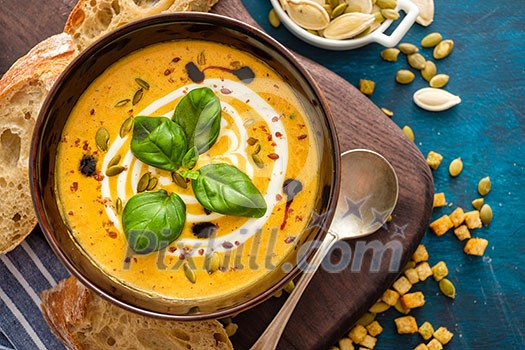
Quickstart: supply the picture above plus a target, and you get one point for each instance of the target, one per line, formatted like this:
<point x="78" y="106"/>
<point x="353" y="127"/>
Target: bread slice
<point x="90" y="19"/>
<point x="84" y="321"/>
<point x="23" y="89"/>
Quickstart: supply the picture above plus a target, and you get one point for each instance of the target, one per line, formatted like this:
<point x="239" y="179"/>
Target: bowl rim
<point x="198" y="17"/>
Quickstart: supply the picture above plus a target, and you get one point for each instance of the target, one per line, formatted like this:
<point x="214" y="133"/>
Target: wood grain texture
<point x="333" y="301"/>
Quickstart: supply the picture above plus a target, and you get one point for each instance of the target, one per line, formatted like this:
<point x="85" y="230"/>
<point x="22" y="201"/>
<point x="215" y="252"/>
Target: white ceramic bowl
<point x="378" y="36"/>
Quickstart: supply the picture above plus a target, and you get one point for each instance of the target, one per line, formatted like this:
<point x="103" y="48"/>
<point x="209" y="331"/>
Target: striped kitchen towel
<point x="24" y="273"/>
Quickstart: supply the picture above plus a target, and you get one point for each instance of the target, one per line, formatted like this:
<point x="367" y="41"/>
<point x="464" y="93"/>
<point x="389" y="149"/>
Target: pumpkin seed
<point x="126" y="127"/>
<point x="484" y="186"/>
<point x="143" y="183"/>
<point x="408" y="131"/>
<point x="152" y="183"/>
<point x="122" y="102"/>
<point x="366" y="319"/>
<point x="142" y="83"/>
<point x="443" y="49"/>
<point x="390" y="54"/>
<point x="404" y="76"/>
<point x="485" y="214"/>
<point x="367" y="86"/>
<point x="416" y="60"/>
<point x="478" y="203"/>
<point x="426" y="12"/>
<point x="455" y="167"/>
<point x="390" y="14"/>
<point x="114" y="161"/>
<point x="348" y="25"/>
<point x="258" y="161"/>
<point x="400" y="308"/>
<point x="363" y="6"/>
<point x="290" y="286"/>
<point x="114" y="170"/>
<point x="431" y="40"/>
<point x="379" y="17"/>
<point x="438" y="81"/>
<point x="278" y="293"/>
<point x="257" y="149"/>
<point x="429" y="71"/>
<point x="339" y="10"/>
<point x="327" y="8"/>
<point x="386" y="4"/>
<point x="387" y="112"/>
<point x="189" y="273"/>
<point x="447" y="288"/>
<point x="201" y="58"/>
<point x="379" y="307"/>
<point x="308" y="14"/>
<point x="333" y="3"/>
<point x="435" y="100"/>
<point x="213" y="262"/>
<point x="102" y="139"/>
<point x="273" y="18"/>
<point x="138" y="96"/>
<point x="118" y="206"/>
<point x="231" y="329"/>
<point x="407" y="48"/>
<point x="179" y="180"/>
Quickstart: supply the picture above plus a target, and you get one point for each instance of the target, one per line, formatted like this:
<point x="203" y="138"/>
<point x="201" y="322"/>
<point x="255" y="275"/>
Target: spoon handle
<point x="270" y="338"/>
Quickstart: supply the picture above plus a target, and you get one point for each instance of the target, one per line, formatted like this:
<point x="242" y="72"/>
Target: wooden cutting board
<point x="333" y="301"/>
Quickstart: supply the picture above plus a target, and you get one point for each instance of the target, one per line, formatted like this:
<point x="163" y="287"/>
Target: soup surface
<point x="263" y="133"/>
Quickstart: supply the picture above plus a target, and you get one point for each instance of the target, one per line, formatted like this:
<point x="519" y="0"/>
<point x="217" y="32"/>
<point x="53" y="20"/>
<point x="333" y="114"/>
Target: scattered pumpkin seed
<point x="484" y="186"/>
<point x="387" y="112"/>
<point x="118" y="206"/>
<point x="438" y="81"/>
<point x="122" y="102"/>
<point x="257" y="149"/>
<point x="379" y="307"/>
<point x="435" y="100"/>
<point x="179" y="180"/>
<point x="455" y="167"/>
<point x="258" y="161"/>
<point x="201" y="58"/>
<point x="366" y="319"/>
<point x="213" y="262"/>
<point x="102" y="139"/>
<point x="478" y="203"/>
<point x="273" y="18"/>
<point x="443" y="49"/>
<point x="152" y="183"/>
<point x="408" y="131"/>
<point x="367" y="86"/>
<point x="278" y="293"/>
<point x="447" y="288"/>
<point x="114" y="161"/>
<point x="137" y="96"/>
<point x="290" y="286"/>
<point x="126" y="127"/>
<point x="189" y="273"/>
<point x="114" y="170"/>
<point x="485" y="214"/>
<point x="333" y="3"/>
<point x="390" y="14"/>
<point x="379" y="17"/>
<point x="431" y="40"/>
<point x="429" y="71"/>
<point x="390" y="54"/>
<point x="407" y="48"/>
<point x="142" y="83"/>
<point x="404" y="76"/>
<point x="143" y="183"/>
<point x="400" y="308"/>
<point x="231" y="329"/>
<point x="416" y="60"/>
<point x="386" y="4"/>
<point x="339" y="10"/>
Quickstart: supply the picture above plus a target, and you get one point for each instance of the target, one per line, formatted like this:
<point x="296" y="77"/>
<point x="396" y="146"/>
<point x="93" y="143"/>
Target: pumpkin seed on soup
<point x="258" y="161"/>
<point x="126" y="127"/>
<point x="152" y="183"/>
<point x="102" y="139"/>
<point x="118" y="206"/>
<point x="122" y="102"/>
<point x="114" y="170"/>
<point x="114" y="161"/>
<point x="142" y="83"/>
<point x="213" y="262"/>
<point x="138" y="96"/>
<point x="143" y="182"/>
<point x="189" y="273"/>
<point x="179" y="180"/>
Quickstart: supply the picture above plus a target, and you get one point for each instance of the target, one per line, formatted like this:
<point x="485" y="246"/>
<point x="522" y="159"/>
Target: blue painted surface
<point x="487" y="130"/>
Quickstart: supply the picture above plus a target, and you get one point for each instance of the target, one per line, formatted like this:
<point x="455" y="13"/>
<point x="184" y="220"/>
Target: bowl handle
<point x="412" y="11"/>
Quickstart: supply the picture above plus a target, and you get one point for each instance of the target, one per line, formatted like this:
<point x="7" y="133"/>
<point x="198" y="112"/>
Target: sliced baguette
<point x="91" y="19"/>
<point x="23" y="89"/>
<point x="84" y="321"/>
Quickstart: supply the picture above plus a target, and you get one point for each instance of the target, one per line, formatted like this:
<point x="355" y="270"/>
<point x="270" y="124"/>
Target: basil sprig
<point x="199" y="115"/>
<point x="152" y="220"/>
<point x="159" y="142"/>
<point x="225" y="189"/>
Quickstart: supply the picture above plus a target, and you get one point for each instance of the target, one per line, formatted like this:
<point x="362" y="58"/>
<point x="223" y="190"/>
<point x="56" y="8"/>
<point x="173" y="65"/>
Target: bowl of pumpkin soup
<point x="184" y="165"/>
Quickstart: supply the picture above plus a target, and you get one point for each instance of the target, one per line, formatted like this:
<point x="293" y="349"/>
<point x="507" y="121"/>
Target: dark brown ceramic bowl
<point x="88" y="66"/>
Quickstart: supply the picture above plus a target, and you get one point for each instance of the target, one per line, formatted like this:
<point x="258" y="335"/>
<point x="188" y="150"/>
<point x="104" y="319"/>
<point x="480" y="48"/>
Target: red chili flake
<point x="278" y="134"/>
<point x="298" y="218"/>
<point x="275" y="119"/>
<point x="289" y="239"/>
<point x="112" y="234"/>
<point x="98" y="177"/>
<point x="247" y="101"/>
<point x="74" y="187"/>
<point x="273" y="144"/>
<point x="175" y="60"/>
<point x="186" y="249"/>
<point x="71" y="213"/>
<point x="77" y="142"/>
<point x="172" y="249"/>
<point x="227" y="245"/>
<point x="85" y="146"/>
<point x="201" y="252"/>
<point x="273" y="156"/>
<point x="270" y="138"/>
<point x="237" y="243"/>
<point x="92" y="111"/>
<point x="226" y="91"/>
<point x="127" y="260"/>
<point x="301" y="125"/>
<point x="135" y="259"/>
<point x="276" y="86"/>
<point x="302" y="137"/>
<point x="182" y="257"/>
<point x="167" y="72"/>
<point x="278" y="197"/>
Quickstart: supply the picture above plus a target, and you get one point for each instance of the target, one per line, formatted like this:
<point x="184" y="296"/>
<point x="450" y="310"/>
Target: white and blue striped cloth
<point x="24" y="273"/>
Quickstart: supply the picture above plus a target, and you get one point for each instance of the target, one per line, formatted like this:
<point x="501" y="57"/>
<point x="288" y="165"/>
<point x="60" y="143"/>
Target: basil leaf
<point x="225" y="189"/>
<point x="199" y="115"/>
<point x="190" y="158"/>
<point x="152" y="220"/>
<point x="159" y="142"/>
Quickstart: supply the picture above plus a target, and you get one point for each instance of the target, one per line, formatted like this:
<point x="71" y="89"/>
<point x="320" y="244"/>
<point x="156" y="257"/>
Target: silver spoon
<point x="369" y="190"/>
